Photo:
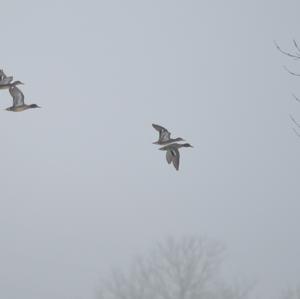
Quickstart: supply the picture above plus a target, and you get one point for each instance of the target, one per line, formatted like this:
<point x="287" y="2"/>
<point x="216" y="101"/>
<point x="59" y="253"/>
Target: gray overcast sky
<point x="83" y="188"/>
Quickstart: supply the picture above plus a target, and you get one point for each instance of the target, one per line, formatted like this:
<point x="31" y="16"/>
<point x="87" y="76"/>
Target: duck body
<point x="18" y="99"/>
<point x="166" y="142"/>
<point x="172" y="153"/>
<point x="164" y="136"/>
<point x="22" y="108"/>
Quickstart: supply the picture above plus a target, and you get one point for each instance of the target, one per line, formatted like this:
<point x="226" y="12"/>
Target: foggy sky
<point x="83" y="188"/>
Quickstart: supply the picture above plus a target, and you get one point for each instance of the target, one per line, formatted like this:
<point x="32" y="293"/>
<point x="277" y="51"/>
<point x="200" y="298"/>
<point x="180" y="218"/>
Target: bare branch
<point x="296" y="132"/>
<point x="292" y="73"/>
<point x="296" y="98"/>
<point x="297" y="124"/>
<point x="294" y="121"/>
<point x="296" y="45"/>
<point x="294" y="56"/>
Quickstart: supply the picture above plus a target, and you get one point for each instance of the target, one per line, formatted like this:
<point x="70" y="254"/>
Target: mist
<point x="84" y="190"/>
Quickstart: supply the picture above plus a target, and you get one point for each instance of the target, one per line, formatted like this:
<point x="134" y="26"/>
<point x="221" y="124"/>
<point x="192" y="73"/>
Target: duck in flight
<point x="4" y="80"/>
<point x="172" y="154"/>
<point x="164" y="136"/>
<point x="18" y="99"/>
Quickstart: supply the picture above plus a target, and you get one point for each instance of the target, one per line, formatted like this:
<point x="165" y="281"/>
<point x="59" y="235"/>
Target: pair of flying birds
<point x="170" y="145"/>
<point x="15" y="92"/>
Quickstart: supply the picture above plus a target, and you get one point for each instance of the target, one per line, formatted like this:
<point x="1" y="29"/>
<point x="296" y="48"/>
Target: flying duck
<point x="172" y="154"/>
<point x="164" y="136"/>
<point x="18" y="99"/>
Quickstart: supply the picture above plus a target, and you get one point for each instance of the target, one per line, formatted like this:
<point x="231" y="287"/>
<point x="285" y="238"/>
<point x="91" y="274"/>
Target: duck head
<point x="34" y="106"/>
<point x="187" y="145"/>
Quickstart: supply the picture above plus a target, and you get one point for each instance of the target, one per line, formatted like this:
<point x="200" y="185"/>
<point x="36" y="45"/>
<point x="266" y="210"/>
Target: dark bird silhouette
<point x="4" y="80"/>
<point x="164" y="136"/>
<point x="172" y="154"/>
<point x="18" y="99"/>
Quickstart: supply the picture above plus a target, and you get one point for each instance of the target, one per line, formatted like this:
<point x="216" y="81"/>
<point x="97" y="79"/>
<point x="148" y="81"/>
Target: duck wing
<point x="175" y="157"/>
<point x="5" y="80"/>
<point x="169" y="157"/>
<point x="2" y="75"/>
<point x="164" y="134"/>
<point x="17" y="95"/>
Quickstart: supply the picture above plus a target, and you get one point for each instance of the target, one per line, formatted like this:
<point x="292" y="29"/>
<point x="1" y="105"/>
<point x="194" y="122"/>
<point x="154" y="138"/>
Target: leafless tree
<point x="291" y="294"/>
<point x="295" y="56"/>
<point x="187" y="268"/>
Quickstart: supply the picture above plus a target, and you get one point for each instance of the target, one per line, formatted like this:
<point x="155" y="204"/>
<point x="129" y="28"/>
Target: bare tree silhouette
<point x="294" y="56"/>
<point x="176" y="269"/>
<point x="291" y="294"/>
